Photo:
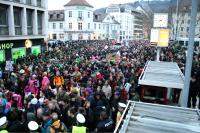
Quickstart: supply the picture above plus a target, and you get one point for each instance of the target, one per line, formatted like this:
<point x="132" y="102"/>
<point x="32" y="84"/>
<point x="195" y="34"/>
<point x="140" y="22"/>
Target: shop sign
<point x="6" y="45"/>
<point x="81" y="7"/>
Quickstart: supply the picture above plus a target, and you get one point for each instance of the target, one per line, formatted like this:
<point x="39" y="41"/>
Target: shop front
<point x="14" y="49"/>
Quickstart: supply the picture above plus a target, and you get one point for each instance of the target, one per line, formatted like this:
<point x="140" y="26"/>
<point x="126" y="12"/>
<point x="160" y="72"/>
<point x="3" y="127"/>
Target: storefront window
<point x="2" y="55"/>
<point x="35" y="50"/>
<point x="18" y="53"/>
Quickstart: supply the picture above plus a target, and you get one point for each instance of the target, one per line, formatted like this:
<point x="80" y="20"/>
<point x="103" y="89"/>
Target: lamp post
<point x="190" y="50"/>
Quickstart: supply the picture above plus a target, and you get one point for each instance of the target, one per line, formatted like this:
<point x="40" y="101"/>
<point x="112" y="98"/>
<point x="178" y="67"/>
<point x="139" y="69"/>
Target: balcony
<point x="18" y="30"/>
<point x="30" y="30"/>
<point x="80" y="19"/>
<point x="4" y="30"/>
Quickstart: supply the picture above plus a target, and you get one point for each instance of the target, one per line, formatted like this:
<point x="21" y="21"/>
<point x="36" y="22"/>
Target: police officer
<point x="105" y="124"/>
<point x="79" y="128"/>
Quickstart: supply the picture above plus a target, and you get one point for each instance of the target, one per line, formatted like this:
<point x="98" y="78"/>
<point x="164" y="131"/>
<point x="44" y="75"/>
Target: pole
<point x="158" y="54"/>
<point x="176" y="32"/>
<point x="189" y="58"/>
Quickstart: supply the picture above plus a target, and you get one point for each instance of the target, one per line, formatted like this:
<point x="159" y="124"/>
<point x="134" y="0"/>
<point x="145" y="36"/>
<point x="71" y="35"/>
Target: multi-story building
<point x="180" y="28"/>
<point x="105" y="27"/>
<point x="78" y="22"/>
<point x="22" y="22"/>
<point x="56" y="24"/>
<point x="131" y="26"/>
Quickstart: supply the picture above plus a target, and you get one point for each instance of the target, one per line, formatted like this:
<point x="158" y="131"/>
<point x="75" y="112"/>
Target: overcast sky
<point x="58" y="4"/>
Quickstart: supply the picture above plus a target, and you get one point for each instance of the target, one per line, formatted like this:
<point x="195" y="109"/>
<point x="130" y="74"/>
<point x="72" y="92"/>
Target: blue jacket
<point x="47" y="125"/>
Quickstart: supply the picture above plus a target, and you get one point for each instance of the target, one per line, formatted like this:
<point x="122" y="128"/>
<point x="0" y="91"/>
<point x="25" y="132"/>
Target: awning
<point x="162" y="74"/>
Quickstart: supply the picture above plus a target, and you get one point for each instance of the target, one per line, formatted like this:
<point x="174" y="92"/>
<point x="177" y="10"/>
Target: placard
<point x="9" y="66"/>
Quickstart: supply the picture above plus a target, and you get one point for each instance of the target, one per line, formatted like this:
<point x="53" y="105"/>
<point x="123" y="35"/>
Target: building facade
<point x="22" y="20"/>
<point x="105" y="27"/>
<point x="78" y="22"/>
<point x="180" y="28"/>
<point x="131" y="22"/>
<point x="56" y="24"/>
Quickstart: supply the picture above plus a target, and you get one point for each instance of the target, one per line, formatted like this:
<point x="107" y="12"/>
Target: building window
<point x="29" y="22"/>
<point x="188" y="29"/>
<point x="181" y="28"/>
<point x="80" y="36"/>
<point x="88" y="14"/>
<point x="28" y="2"/>
<point x="88" y="26"/>
<point x="80" y="14"/>
<point x="39" y="3"/>
<point x="99" y="26"/>
<point x="54" y="25"/>
<point x="17" y="21"/>
<point x="61" y="25"/>
<point x="80" y="26"/>
<point x="188" y="21"/>
<point x="39" y="15"/>
<point x="70" y="26"/>
<point x="54" y="36"/>
<point x="61" y="36"/>
<point x="69" y="36"/>
<point x="70" y="14"/>
<point x="95" y="26"/>
<point x="3" y="20"/>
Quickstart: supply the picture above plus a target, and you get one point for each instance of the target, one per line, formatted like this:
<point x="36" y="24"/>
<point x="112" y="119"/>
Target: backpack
<point x="58" y="130"/>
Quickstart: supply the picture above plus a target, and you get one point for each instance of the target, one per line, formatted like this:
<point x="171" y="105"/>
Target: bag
<point x="57" y="130"/>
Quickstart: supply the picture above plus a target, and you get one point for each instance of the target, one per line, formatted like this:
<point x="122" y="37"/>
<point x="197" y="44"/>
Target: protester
<point x="86" y="80"/>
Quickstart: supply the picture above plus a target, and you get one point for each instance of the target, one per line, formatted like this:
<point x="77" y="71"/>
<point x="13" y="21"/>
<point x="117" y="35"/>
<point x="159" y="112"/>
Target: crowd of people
<point x="79" y="88"/>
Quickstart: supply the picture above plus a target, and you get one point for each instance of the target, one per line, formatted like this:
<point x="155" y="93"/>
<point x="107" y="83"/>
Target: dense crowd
<point x="78" y="88"/>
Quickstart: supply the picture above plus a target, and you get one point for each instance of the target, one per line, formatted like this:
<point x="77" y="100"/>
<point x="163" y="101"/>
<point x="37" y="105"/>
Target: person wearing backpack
<point x="57" y="126"/>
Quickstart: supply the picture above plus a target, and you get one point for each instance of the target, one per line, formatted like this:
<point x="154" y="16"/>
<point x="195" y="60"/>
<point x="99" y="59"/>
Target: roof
<point x="101" y="17"/>
<point x="153" y="118"/>
<point x="162" y="74"/>
<point x="78" y="3"/>
<point x="56" y="15"/>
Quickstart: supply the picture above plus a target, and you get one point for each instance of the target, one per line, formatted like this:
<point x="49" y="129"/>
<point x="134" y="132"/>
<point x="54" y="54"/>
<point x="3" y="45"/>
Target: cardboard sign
<point x="9" y="66"/>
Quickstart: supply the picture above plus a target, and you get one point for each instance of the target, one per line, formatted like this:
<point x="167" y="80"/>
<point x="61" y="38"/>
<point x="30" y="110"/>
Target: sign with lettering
<point x="81" y="7"/>
<point x="6" y="45"/>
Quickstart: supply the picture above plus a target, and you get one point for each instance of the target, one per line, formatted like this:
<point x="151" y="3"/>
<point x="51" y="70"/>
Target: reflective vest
<point x="77" y="129"/>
